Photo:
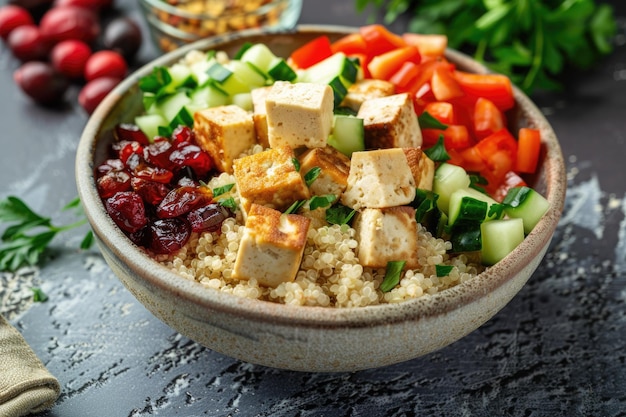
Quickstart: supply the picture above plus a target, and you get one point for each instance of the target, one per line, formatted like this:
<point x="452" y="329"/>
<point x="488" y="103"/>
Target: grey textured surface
<point x="555" y="349"/>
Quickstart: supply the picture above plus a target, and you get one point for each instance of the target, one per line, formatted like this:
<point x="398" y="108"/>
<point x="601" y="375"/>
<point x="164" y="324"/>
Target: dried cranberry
<point x="130" y="132"/>
<point x="113" y="182"/>
<point x="194" y="157"/>
<point x="208" y="218"/>
<point x="152" y="173"/>
<point x="182" y="200"/>
<point x="152" y="192"/>
<point x="109" y="165"/>
<point x="169" y="235"/>
<point x="182" y="135"/>
<point x="127" y="148"/>
<point x="127" y="211"/>
<point x="158" y="153"/>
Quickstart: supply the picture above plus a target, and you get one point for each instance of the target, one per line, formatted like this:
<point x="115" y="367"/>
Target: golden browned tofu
<point x="334" y="169"/>
<point x="259" y="115"/>
<point x="390" y="122"/>
<point x="271" y="247"/>
<point x="422" y="167"/>
<point x="269" y="178"/>
<point x="366" y="89"/>
<point x="388" y="234"/>
<point x="224" y="132"/>
<point x="379" y="179"/>
<point x="299" y="115"/>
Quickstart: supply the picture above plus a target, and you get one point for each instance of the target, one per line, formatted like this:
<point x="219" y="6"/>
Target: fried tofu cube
<point x="259" y="114"/>
<point x="379" y="179"/>
<point x="269" y="178"/>
<point x="272" y="246"/>
<point x="390" y="122"/>
<point x="224" y="132"/>
<point x="366" y="89"/>
<point x="422" y="167"/>
<point x="387" y="234"/>
<point x="334" y="169"/>
<point x="299" y="115"/>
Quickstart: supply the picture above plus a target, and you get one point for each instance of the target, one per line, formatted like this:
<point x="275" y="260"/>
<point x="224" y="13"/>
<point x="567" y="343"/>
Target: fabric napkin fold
<point x="26" y="386"/>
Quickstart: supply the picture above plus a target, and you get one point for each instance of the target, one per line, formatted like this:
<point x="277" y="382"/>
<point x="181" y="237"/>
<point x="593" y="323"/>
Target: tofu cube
<point x="388" y="234"/>
<point x="422" y="167"/>
<point x="224" y="132"/>
<point x="271" y="247"/>
<point x="299" y="115"/>
<point x="366" y="89"/>
<point x="259" y="114"/>
<point x="379" y="179"/>
<point x="334" y="169"/>
<point x="269" y="178"/>
<point x="390" y="122"/>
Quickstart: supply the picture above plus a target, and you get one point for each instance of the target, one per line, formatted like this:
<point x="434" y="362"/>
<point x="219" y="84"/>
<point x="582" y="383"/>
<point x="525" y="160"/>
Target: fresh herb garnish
<point x="426" y="121"/>
<point x="38" y="295"/>
<point x="297" y="205"/>
<point x="392" y="275"/>
<point x="339" y="214"/>
<point x="217" y="191"/>
<point x="533" y="42"/>
<point x="318" y="201"/>
<point x="438" y="152"/>
<point x="478" y="182"/>
<point x="495" y="211"/>
<point x="443" y="270"/>
<point x="228" y="203"/>
<point x="28" y="233"/>
<point x="296" y="163"/>
<point x="312" y="175"/>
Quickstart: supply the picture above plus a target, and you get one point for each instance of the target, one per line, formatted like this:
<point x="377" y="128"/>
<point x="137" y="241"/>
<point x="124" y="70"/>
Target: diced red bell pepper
<point x="442" y="111"/>
<point x="511" y="180"/>
<point x="499" y="152"/>
<point x="405" y="74"/>
<point x="429" y="45"/>
<point x="383" y="66"/>
<point x="378" y="39"/>
<point x="495" y="87"/>
<point x="312" y="52"/>
<point x="487" y="118"/>
<point x="444" y="85"/>
<point x="528" y="149"/>
<point x="350" y="44"/>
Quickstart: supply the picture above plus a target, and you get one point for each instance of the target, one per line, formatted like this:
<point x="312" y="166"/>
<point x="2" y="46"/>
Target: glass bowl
<point x="174" y="23"/>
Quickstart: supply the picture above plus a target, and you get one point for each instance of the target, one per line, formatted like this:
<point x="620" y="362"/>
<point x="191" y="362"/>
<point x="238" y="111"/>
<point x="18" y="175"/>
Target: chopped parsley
<point x="217" y="191"/>
<point x="443" y="270"/>
<point x="312" y="175"/>
<point x="339" y="214"/>
<point x="392" y="275"/>
<point x="438" y="152"/>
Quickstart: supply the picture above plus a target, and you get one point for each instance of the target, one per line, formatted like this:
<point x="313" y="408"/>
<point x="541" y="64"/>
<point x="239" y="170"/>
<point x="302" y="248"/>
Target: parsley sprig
<point x="28" y="234"/>
<point x="532" y="41"/>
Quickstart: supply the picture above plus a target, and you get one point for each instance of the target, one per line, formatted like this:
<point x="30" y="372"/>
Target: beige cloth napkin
<point x="26" y="386"/>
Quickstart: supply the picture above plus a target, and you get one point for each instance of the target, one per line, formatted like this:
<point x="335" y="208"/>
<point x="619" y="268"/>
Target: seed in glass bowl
<point x="41" y="82"/>
<point x="12" y="17"/>
<point x="122" y="35"/>
<point x="27" y="43"/>
<point x="69" y="57"/>
<point x="105" y="63"/>
<point x="95" y="91"/>
<point x="70" y="22"/>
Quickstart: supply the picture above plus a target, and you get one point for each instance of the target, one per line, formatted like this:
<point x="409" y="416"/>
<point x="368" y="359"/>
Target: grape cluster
<point x="65" y="42"/>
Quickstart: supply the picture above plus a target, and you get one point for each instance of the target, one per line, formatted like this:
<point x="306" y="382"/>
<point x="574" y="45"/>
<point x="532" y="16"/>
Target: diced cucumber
<point x="348" y="135"/>
<point x="227" y="80"/>
<point x="260" y="56"/>
<point x="246" y="72"/>
<point x="243" y="100"/>
<point x="338" y="71"/>
<point x="526" y="204"/>
<point x="463" y="200"/>
<point x="149" y="124"/>
<point x="169" y="106"/>
<point x="209" y="96"/>
<point x="499" y="238"/>
<point x="448" y="179"/>
<point x="199" y="70"/>
<point x="281" y="71"/>
<point x="181" y="74"/>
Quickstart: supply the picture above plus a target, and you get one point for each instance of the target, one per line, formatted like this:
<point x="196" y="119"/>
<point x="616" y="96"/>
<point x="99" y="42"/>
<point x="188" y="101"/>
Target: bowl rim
<point x="162" y="6"/>
<point x="441" y="303"/>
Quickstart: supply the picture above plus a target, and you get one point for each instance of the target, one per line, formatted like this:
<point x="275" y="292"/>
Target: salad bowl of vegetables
<point x="323" y="199"/>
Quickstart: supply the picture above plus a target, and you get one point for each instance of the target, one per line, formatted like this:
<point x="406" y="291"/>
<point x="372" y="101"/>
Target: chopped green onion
<point x="392" y="275"/>
<point x="297" y="205"/>
<point x="296" y="163"/>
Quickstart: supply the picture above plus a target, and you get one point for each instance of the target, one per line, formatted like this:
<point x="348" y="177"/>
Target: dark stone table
<point x="558" y="348"/>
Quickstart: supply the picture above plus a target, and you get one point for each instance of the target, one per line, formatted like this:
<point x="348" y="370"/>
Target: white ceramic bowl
<point x="310" y="338"/>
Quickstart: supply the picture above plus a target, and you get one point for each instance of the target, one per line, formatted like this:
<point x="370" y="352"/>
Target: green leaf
<point x="228" y="202"/>
<point x="318" y="201"/>
<point x="312" y="175"/>
<point x="87" y="241"/>
<point x="296" y="163"/>
<point x="443" y="270"/>
<point x="393" y="272"/>
<point x="427" y="121"/>
<point x="38" y="295"/>
<point x="339" y="214"/>
<point x="438" y="152"/>
<point x="13" y="209"/>
<point x="217" y="191"/>
<point x="295" y="206"/>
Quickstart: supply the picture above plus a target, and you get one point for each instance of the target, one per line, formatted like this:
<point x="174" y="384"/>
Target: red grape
<point x="95" y="91"/>
<point x="41" y="82"/>
<point x="87" y="4"/>
<point x="122" y="35"/>
<point x="12" y="17"/>
<point x="105" y="63"/>
<point x="27" y="43"/>
<point x="70" y="22"/>
<point x="69" y="57"/>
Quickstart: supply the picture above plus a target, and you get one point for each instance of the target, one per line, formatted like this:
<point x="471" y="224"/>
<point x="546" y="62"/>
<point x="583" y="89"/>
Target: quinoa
<point x="330" y="274"/>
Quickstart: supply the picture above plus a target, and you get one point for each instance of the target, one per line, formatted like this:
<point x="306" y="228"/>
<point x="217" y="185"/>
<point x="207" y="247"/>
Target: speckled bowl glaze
<point x="313" y="339"/>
